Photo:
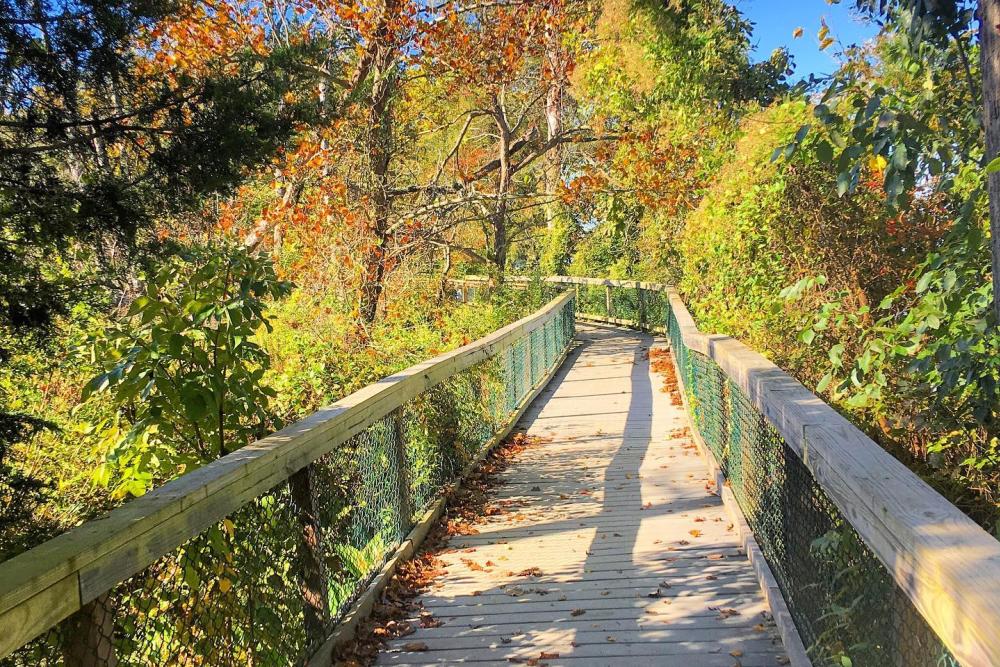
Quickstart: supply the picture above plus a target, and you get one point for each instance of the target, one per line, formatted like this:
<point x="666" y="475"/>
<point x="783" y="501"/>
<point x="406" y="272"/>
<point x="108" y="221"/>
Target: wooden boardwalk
<point x="613" y="552"/>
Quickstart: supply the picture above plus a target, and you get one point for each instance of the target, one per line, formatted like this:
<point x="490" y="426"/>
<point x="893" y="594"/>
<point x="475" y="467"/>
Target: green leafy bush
<point x="183" y="370"/>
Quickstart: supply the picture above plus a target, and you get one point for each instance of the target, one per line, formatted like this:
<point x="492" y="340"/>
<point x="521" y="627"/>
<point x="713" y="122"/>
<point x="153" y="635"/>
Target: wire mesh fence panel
<point x="654" y="307"/>
<point x="625" y="303"/>
<point x="845" y="604"/>
<point x="267" y="584"/>
<point x="592" y="300"/>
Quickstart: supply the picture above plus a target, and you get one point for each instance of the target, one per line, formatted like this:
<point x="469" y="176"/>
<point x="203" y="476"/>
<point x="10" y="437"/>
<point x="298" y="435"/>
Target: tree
<point x="183" y="369"/>
<point x="99" y="139"/>
<point x="671" y="80"/>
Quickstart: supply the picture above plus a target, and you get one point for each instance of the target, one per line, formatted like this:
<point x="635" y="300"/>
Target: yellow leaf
<point x="225" y="585"/>
<point x="229" y="527"/>
<point x="797" y="33"/>
<point x="825" y="43"/>
<point x="877" y="163"/>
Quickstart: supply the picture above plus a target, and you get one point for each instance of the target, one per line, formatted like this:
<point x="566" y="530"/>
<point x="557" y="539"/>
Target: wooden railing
<point x="599" y="299"/>
<point x="78" y="597"/>
<point x="940" y="561"/>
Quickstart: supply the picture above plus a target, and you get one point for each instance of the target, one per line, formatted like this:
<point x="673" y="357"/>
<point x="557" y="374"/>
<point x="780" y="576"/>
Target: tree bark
<point x="989" y="54"/>
<point x="499" y="217"/>
<point x="379" y="157"/>
<point x="553" y="122"/>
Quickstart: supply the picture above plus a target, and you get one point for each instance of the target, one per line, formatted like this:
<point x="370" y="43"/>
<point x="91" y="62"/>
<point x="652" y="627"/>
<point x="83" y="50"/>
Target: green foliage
<point x="916" y="365"/>
<point x="183" y="370"/>
<point x="610" y="249"/>
<point x="923" y="364"/>
<point x="911" y="104"/>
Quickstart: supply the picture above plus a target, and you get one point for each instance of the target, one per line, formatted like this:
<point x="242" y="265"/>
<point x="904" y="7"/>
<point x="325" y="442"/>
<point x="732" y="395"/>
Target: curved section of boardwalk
<point x="613" y="550"/>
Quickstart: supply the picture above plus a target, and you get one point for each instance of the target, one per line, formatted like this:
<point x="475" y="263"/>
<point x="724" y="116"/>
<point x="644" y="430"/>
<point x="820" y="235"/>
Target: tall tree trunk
<point x="379" y="156"/>
<point x="555" y="251"/>
<point x="989" y="54"/>
<point x="553" y="121"/>
<point x="499" y="217"/>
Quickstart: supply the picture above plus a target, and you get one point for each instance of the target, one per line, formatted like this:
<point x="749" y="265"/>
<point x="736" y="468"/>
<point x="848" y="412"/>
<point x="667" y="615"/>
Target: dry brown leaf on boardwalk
<point x="467" y="506"/>
<point x="694" y="533"/>
<point x="578" y="612"/>
<point x="415" y="647"/>
<point x="428" y="621"/>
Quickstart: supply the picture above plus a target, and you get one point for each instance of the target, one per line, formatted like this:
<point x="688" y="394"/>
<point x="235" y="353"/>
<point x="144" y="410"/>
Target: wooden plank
<point x="794" y="647"/>
<point x="108" y="550"/>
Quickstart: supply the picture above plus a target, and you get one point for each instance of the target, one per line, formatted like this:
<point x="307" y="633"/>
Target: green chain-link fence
<point x="267" y="585"/>
<point x="846" y="606"/>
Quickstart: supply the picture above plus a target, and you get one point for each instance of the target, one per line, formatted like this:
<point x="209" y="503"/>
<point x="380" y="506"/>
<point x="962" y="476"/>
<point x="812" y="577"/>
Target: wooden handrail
<point x="41" y="587"/>
<point x="565" y="280"/>
<point x="947" y="565"/>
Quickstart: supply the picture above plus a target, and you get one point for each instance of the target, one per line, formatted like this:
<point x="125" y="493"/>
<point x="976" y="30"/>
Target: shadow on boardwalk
<point x="611" y="550"/>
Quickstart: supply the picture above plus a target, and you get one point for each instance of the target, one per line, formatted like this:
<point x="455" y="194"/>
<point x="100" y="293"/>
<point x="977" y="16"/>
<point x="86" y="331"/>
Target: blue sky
<point x="775" y="20"/>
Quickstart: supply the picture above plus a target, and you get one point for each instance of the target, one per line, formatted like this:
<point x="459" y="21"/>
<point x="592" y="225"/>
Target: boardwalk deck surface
<point x="637" y="563"/>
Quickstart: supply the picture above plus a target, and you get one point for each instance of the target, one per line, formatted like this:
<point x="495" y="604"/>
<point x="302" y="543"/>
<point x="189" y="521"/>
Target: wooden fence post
<point x="607" y="301"/>
<point x="528" y="364"/>
<point x="642" y="305"/>
<point x="404" y="503"/>
<point x="89" y="638"/>
<point x="313" y="585"/>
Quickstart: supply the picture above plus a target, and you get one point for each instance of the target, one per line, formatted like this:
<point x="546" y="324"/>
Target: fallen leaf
<point x="736" y="654"/>
<point x="415" y="647"/>
<point x="694" y="533"/>
<point x="578" y="612"/>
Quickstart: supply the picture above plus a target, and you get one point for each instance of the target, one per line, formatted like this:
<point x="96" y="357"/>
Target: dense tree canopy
<point x="218" y="215"/>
